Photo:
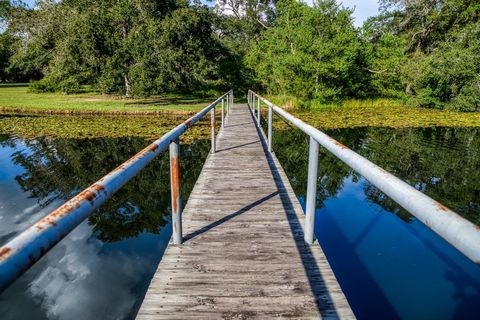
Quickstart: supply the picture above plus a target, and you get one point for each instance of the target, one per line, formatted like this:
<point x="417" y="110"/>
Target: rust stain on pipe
<point x="442" y="207"/>
<point x="175" y="165"/>
<point x="338" y="144"/>
<point x="188" y="122"/>
<point x="150" y="148"/>
<point x="5" y="252"/>
<point x="89" y="195"/>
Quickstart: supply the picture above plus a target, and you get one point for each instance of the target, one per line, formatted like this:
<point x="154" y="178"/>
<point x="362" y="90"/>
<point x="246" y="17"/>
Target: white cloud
<point x="80" y="282"/>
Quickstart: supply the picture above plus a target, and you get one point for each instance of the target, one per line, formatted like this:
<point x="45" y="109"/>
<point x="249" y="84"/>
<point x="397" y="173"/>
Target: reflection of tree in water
<point x="60" y="168"/>
<point x="442" y="162"/>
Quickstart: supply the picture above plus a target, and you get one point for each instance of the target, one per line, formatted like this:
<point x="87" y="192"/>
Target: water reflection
<point x="101" y="270"/>
<point x="391" y="266"/>
<point x="442" y="162"/>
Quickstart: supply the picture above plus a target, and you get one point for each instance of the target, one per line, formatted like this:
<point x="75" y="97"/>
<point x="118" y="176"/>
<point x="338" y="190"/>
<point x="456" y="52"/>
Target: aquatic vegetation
<point x="147" y="127"/>
<point x="375" y="113"/>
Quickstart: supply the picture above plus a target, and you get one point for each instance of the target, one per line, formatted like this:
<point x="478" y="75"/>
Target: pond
<point x="389" y="264"/>
<point x="102" y="269"/>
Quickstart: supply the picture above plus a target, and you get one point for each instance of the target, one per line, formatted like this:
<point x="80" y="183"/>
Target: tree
<point x="131" y="47"/>
<point x="424" y="23"/>
<point x="450" y="76"/>
<point x="386" y="57"/>
<point x="310" y="52"/>
<point x="440" y="38"/>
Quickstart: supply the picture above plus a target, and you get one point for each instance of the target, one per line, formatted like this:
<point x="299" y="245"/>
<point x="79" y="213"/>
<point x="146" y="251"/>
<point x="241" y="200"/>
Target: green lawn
<point x="17" y="98"/>
<point x="92" y="115"/>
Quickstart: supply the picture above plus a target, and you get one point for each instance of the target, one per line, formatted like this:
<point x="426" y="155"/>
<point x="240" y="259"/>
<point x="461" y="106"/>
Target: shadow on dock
<point x="229" y="217"/>
<point x="322" y="297"/>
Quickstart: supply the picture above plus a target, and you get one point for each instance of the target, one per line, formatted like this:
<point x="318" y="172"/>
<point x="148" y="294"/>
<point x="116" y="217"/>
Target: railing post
<point x="223" y="100"/>
<point x="311" y="190"/>
<point x="258" y="113"/>
<point x="270" y="129"/>
<point x="212" y="125"/>
<point x="232" y="102"/>
<point x="175" y="191"/>
<point x="227" y="104"/>
<point x="253" y="104"/>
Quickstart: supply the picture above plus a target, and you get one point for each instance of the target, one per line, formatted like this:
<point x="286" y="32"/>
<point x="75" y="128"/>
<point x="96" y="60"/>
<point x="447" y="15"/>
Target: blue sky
<point x="363" y="8"/>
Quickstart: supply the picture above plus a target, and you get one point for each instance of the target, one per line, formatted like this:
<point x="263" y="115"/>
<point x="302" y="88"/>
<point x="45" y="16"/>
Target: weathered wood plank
<point x="244" y="255"/>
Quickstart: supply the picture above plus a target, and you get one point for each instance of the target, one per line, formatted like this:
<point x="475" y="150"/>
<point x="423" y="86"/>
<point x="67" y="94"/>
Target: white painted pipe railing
<point x="23" y="251"/>
<point x="459" y="232"/>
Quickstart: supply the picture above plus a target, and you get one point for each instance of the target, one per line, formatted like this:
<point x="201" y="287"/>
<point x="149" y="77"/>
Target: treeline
<point x="425" y="51"/>
<point x="131" y="47"/>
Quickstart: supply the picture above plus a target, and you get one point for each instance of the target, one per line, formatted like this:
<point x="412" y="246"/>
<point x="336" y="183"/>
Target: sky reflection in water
<point x="101" y="269"/>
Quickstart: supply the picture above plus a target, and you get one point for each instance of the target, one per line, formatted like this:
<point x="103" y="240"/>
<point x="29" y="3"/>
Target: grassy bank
<point x="16" y="98"/>
<point x="28" y="115"/>
<point x="377" y="113"/>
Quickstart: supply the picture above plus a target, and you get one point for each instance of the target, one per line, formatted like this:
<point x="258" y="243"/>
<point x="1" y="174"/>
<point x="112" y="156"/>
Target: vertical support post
<point x="175" y="191"/>
<point x="212" y="125"/>
<point x="227" y="104"/>
<point x="258" y="112"/>
<point x="270" y="129"/>
<point x="223" y="100"/>
<point x="231" y="96"/>
<point x="253" y="104"/>
<point x="311" y="190"/>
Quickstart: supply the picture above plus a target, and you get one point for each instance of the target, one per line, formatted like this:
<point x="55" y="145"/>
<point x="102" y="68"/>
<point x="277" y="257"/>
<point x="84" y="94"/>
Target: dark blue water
<point x="389" y="264"/>
<point x="102" y="269"/>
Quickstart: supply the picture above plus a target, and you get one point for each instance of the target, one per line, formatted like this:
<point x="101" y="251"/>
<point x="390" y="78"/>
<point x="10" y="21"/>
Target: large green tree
<point x="133" y="47"/>
<point x="442" y="41"/>
<point x="310" y="52"/>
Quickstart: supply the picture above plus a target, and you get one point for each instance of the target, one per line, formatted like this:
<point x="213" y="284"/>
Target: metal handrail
<point x="23" y="251"/>
<point x="459" y="232"/>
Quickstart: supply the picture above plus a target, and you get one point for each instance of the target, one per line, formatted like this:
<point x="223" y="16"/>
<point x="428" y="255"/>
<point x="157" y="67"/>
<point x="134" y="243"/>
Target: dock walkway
<point x="243" y="254"/>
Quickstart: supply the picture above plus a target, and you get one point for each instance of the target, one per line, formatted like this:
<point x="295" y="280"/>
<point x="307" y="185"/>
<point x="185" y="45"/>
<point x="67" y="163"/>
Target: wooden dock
<point x="243" y="254"/>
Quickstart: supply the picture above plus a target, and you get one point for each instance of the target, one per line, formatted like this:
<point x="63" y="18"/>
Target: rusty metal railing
<point x="19" y="254"/>
<point x="459" y="232"/>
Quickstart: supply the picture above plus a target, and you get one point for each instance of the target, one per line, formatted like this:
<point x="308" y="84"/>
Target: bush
<point x="448" y="78"/>
<point x="44" y="85"/>
<point x="468" y="99"/>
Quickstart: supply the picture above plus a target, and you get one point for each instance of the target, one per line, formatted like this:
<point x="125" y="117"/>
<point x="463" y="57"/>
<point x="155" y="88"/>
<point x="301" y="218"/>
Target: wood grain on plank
<point x="244" y="256"/>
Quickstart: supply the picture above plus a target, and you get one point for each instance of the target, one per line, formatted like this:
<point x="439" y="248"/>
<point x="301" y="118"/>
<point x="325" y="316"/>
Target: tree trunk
<point x="126" y="65"/>
<point x="127" y="82"/>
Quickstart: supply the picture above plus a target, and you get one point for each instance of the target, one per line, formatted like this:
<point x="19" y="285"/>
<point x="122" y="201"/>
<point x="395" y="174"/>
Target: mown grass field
<point x="17" y="98"/>
<point x="90" y="115"/>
